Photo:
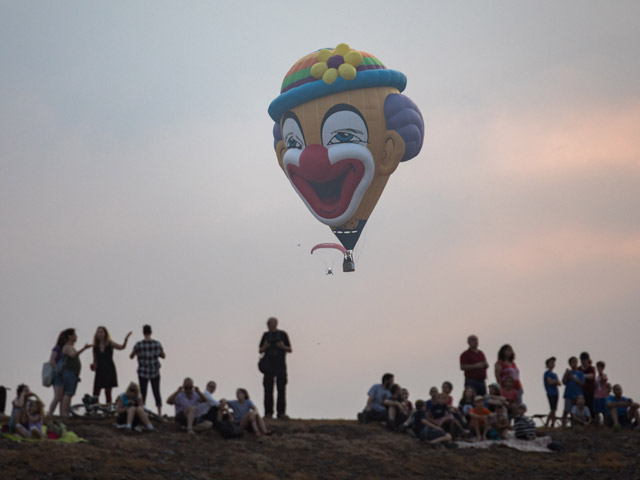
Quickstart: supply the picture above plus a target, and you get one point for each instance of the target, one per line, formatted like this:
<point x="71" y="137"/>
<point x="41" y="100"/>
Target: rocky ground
<point x="309" y="449"/>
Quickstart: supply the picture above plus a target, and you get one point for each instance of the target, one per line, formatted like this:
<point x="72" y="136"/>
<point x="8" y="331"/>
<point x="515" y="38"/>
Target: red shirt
<point x="589" y="386"/>
<point x="470" y="357"/>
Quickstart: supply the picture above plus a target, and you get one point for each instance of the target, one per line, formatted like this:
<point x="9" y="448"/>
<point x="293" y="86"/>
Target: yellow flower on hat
<point x="341" y="61"/>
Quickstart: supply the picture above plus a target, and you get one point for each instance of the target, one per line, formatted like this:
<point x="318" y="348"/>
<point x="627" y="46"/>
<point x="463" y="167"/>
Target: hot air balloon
<point x="341" y="129"/>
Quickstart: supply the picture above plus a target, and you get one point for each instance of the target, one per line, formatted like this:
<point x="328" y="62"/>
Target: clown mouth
<point x="328" y="190"/>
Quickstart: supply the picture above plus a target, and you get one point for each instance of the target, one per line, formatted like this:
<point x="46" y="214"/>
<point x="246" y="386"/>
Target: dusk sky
<point x="138" y="184"/>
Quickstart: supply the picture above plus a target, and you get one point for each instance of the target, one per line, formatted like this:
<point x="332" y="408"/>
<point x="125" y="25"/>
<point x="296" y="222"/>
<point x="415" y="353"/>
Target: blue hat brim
<point x="318" y="89"/>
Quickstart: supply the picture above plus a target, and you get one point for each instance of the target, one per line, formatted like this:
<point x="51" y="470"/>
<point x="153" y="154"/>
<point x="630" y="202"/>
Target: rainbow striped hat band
<point x="329" y="71"/>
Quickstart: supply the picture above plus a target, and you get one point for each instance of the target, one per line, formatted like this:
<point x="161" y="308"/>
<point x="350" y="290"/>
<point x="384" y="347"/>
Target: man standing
<point x="275" y="345"/>
<point x="474" y="364"/>
<point x="148" y="351"/>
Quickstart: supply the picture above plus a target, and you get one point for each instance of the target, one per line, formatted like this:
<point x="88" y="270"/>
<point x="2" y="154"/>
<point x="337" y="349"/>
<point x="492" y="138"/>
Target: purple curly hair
<point x="401" y="115"/>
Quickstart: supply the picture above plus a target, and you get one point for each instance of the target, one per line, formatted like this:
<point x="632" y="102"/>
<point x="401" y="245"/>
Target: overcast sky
<point x="138" y="184"/>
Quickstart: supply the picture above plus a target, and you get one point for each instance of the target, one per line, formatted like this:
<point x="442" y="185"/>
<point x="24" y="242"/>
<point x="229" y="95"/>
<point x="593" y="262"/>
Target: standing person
<point x="56" y="361"/>
<point x="600" y="395"/>
<point x="148" y="351"/>
<point x="275" y="345"/>
<point x="574" y="380"/>
<point x="474" y="364"/>
<point x="106" y="375"/>
<point x="551" y="384"/>
<point x="71" y="367"/>
<point x="506" y="367"/>
<point x="589" y="387"/>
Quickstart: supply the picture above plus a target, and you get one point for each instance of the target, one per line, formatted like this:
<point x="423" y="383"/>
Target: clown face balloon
<point x="342" y="127"/>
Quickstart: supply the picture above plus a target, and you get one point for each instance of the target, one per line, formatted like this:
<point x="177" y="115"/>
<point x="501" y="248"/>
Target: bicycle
<point x="92" y="410"/>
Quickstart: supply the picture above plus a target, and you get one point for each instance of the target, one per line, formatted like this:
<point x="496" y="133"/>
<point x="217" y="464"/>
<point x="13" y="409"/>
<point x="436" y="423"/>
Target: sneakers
<point x="283" y="416"/>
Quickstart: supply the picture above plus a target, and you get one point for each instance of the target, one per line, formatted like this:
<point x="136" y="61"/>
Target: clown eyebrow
<point x="340" y="107"/>
<point x="352" y="130"/>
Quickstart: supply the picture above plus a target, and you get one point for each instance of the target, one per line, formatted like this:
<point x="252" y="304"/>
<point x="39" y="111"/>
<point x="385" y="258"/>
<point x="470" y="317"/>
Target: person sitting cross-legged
<point x="186" y="401"/>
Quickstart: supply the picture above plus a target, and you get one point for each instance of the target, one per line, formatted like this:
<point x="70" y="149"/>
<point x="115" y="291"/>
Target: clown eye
<point x="344" y="127"/>
<point x="293" y="143"/>
<point x="344" y="137"/>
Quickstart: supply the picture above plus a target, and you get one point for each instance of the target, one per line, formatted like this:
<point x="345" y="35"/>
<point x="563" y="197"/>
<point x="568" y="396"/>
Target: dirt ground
<point x="309" y="449"/>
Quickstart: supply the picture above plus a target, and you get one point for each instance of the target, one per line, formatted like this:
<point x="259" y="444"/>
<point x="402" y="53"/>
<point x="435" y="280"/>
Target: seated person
<point x="130" y="410"/>
<point x="245" y="413"/>
<point x="397" y="411"/>
<point x="580" y="413"/>
<point x="480" y="418"/>
<point x="426" y="430"/>
<point x="501" y="422"/>
<point x="186" y="401"/>
<point x="511" y="395"/>
<point x="622" y="410"/>
<point x="440" y="414"/>
<point x="209" y="409"/>
<point x="19" y="409"/>
<point x="433" y="394"/>
<point x="524" y="426"/>
<point x="494" y="398"/>
<point x="375" y="410"/>
<point x="467" y="401"/>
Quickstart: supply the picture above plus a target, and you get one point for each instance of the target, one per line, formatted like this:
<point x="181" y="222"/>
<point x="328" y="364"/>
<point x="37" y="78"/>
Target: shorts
<point x="58" y="381"/>
<point x="69" y="382"/>
<point x="568" y="404"/>
<point x="181" y="419"/>
<point x="600" y="406"/>
<point x="428" y="434"/>
<point x="553" y="402"/>
<point x="479" y="386"/>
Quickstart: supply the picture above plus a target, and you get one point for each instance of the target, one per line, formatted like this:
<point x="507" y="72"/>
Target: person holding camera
<point x="130" y="410"/>
<point x="187" y="400"/>
<point x="274" y="345"/>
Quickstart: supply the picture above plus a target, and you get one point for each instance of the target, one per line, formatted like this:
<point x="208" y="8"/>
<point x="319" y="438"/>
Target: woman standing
<point x="506" y="367"/>
<point x="106" y="375"/>
<point x="70" y="371"/>
<point x="56" y="361"/>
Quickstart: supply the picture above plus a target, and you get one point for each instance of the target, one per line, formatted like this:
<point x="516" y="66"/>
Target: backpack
<point x="47" y="374"/>
<point x="228" y="429"/>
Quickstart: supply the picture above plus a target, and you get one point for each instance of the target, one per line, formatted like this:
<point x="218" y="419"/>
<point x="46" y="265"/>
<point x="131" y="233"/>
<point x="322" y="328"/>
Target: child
<point x="426" y="430"/>
<point x="433" y="393"/>
<point x="580" y="414"/>
<point x="501" y="421"/>
<point x="467" y="401"/>
<point x="440" y="414"/>
<point x="493" y="398"/>
<point x="510" y="394"/>
<point x="35" y="414"/>
<point x="447" y="388"/>
<point x="551" y="383"/>
<point x="574" y="380"/>
<point x="480" y="418"/>
<point x="524" y="426"/>
<point x="601" y="394"/>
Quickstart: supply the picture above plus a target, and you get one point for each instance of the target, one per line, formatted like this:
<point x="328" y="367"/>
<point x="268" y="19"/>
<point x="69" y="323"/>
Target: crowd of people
<point x="483" y="412"/>
<point x="490" y="413"/>
<point x="195" y="410"/>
